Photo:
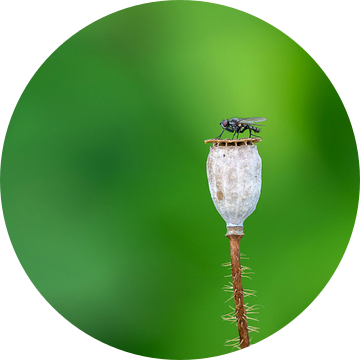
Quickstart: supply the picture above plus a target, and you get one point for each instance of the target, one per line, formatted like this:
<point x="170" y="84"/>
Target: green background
<point x="104" y="187"/>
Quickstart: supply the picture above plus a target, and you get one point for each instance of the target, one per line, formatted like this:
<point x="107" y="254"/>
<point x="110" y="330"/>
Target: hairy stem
<point x="238" y="290"/>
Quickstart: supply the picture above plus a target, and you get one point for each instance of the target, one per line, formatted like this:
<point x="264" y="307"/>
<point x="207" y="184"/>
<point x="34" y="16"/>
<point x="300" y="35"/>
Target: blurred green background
<point x="104" y="187"/>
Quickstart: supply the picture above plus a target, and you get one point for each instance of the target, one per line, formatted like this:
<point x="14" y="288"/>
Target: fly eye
<point x="225" y="123"/>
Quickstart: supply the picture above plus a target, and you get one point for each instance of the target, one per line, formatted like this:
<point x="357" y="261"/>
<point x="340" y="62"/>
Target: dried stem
<point x="238" y="288"/>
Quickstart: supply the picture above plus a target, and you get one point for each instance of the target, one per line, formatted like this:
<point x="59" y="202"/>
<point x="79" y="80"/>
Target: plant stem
<point x="238" y="288"/>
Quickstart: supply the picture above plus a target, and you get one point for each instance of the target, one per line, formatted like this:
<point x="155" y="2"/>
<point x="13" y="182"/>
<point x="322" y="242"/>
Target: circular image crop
<point x="104" y="188"/>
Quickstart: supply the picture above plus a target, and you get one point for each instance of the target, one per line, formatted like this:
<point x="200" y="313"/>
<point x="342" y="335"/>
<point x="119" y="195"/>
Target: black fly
<point x="238" y="126"/>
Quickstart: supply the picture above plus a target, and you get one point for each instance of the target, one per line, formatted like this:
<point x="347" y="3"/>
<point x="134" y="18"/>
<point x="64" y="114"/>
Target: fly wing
<point x="252" y="120"/>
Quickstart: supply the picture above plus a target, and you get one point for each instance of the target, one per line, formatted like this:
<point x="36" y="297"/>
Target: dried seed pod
<point x="234" y="175"/>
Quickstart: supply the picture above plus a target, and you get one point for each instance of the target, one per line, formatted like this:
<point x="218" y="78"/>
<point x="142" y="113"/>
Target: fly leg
<point x="241" y="131"/>
<point x="255" y="135"/>
<point x="220" y="135"/>
<point x="236" y="132"/>
<point x="227" y="129"/>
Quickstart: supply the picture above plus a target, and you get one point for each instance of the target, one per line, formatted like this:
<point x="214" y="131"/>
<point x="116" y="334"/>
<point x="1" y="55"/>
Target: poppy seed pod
<point x="234" y="175"/>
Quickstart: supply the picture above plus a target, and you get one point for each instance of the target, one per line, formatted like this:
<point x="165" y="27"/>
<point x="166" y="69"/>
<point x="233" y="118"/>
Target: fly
<point x="238" y="126"/>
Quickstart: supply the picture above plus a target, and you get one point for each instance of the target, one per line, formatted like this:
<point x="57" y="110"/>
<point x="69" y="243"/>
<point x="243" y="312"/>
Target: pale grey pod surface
<point x="234" y="175"/>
